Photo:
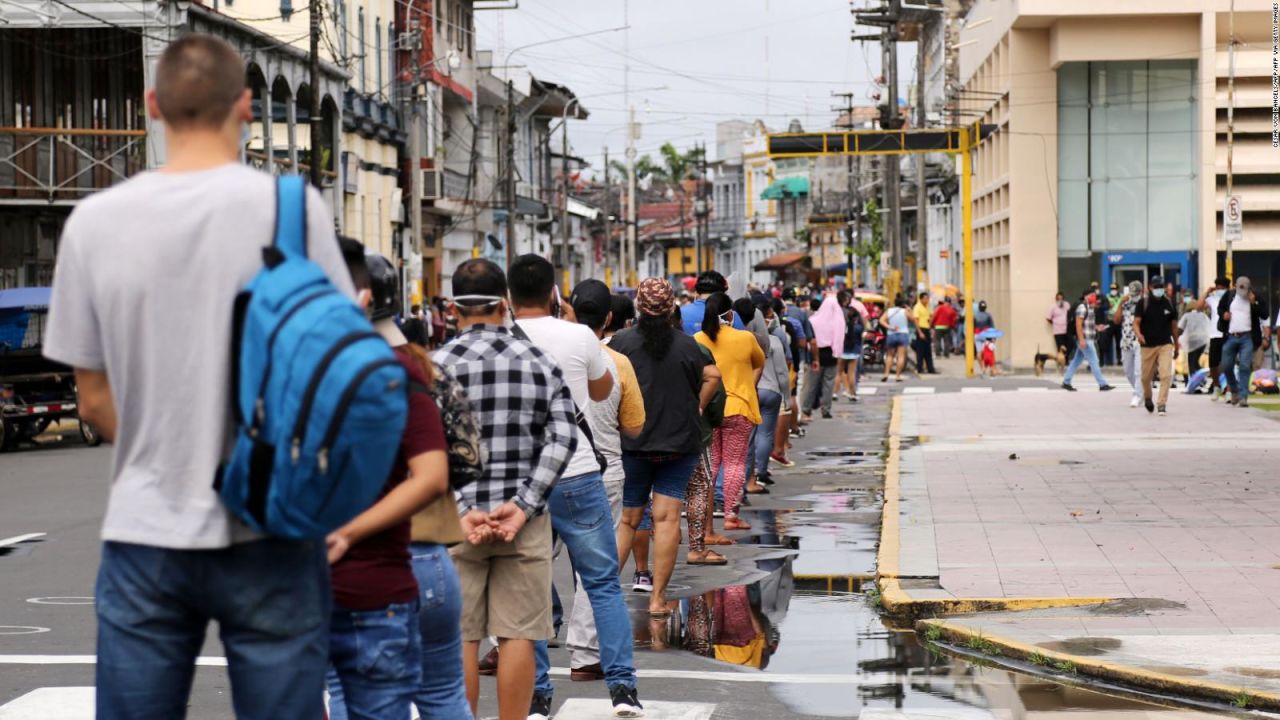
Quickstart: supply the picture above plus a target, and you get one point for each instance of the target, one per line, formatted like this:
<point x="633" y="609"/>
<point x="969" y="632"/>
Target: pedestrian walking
<point x="741" y="362"/>
<point x="1193" y="329"/>
<point x="1086" y="343"/>
<point x="581" y="516"/>
<point x="897" y="323"/>
<point x="1155" y="322"/>
<point x="1209" y="304"/>
<point x="677" y="384"/>
<point x="173" y="557"/>
<point x="1130" y="351"/>
<point x="851" y="354"/>
<point x="1058" y="316"/>
<point x="375" y="592"/>
<point x="770" y="389"/>
<point x="785" y="331"/>
<point x="828" y="330"/>
<point x="526" y="416"/>
<point x="923" y="340"/>
<point x="944" y="322"/>
<point x="1242" y="318"/>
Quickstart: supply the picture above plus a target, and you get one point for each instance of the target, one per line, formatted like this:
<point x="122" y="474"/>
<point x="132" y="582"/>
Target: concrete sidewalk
<point x="1017" y="501"/>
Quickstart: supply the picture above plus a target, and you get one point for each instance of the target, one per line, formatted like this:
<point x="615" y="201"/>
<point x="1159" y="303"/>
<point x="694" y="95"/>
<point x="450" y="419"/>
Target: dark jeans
<point x="1215" y="360"/>
<point x="1106" y="345"/>
<point x="376" y="658"/>
<point x="270" y="598"/>
<point x="441" y="693"/>
<point x="1237" y="363"/>
<point x="924" y="351"/>
<point x="1063" y="341"/>
<point x="762" y="442"/>
<point x="1193" y="361"/>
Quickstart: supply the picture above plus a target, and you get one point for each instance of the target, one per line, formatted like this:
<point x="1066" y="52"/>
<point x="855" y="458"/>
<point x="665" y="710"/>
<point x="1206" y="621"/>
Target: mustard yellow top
<point x="738" y="357"/>
<point x="923" y="316"/>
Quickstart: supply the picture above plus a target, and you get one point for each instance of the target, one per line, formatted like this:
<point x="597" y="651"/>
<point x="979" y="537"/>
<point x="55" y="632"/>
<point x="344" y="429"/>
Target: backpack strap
<point x="291" y="216"/>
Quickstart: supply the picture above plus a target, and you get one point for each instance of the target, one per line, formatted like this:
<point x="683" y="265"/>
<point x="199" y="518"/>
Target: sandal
<point x="717" y="539"/>
<point x="709" y="557"/>
<point x="736" y="524"/>
<point x="760" y="490"/>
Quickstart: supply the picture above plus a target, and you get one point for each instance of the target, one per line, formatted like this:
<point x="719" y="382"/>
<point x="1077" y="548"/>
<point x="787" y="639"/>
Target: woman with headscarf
<point x="828" y="332"/>
<point x="741" y="362"/>
<point x="677" y="383"/>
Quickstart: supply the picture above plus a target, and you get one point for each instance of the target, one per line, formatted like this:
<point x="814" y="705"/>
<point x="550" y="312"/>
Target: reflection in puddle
<point x="771" y="627"/>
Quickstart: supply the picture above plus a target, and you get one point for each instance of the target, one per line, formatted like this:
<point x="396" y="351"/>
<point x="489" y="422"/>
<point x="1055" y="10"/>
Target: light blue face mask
<point x="1157" y="292"/>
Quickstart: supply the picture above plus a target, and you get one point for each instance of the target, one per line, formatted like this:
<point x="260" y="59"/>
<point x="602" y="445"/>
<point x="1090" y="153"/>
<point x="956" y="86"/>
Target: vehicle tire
<point x="6" y="436"/>
<point x="90" y="434"/>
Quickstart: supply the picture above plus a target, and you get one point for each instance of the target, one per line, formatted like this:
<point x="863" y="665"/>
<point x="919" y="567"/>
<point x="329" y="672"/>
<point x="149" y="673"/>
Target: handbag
<point x="438" y="522"/>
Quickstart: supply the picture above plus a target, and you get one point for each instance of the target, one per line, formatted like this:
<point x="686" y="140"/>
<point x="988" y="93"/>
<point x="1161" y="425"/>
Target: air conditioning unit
<point x="432" y="184"/>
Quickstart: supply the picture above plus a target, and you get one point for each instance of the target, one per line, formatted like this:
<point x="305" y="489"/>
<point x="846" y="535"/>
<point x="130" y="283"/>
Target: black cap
<point x="591" y="301"/>
<point x="384" y="282"/>
<point x="1157" y="280"/>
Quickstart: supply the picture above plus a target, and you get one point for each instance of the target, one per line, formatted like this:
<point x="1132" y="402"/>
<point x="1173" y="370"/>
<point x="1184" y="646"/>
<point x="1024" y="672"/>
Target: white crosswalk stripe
<point x="1033" y="389"/>
<point x="975" y="390"/>
<point x="51" y="703"/>
<point x="868" y="391"/>
<point x="581" y="709"/>
<point x="919" y="390"/>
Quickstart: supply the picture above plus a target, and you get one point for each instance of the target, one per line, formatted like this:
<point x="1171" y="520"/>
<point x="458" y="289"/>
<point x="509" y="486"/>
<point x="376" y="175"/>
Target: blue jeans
<point x="770" y="406"/>
<point x="581" y="516"/>
<point x="1090" y="353"/>
<point x="441" y="692"/>
<point x="1237" y="363"/>
<point x="375" y="662"/>
<point x="270" y="598"/>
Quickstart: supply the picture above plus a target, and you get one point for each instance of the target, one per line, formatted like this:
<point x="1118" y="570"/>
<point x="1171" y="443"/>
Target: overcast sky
<point x="772" y="60"/>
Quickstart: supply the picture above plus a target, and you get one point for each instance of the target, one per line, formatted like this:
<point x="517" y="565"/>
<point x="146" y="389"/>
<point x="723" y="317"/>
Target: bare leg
<point x="666" y="536"/>
<point x="471" y="673"/>
<point x="515" y="678"/>
<point x="640" y="549"/>
<point x="627" y="532"/>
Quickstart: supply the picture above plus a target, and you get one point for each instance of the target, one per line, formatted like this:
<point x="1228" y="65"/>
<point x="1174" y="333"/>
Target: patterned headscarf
<point x="655" y="297"/>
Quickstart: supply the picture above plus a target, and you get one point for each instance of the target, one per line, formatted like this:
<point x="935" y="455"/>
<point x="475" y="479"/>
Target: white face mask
<point x="727" y="318"/>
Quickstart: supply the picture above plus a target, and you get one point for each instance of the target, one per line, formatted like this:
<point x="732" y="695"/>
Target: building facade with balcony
<point x="1110" y="159"/>
<point x="73" y="120"/>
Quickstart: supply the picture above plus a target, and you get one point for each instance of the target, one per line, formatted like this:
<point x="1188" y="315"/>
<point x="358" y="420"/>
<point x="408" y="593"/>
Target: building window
<point x="363" y="49"/>
<point x="377" y="39"/>
<point x="469" y="31"/>
<point x="450" y="22"/>
<point x="1127" y="173"/>
<point x="391" y="61"/>
<point x="342" y="28"/>
<point x="438" y="9"/>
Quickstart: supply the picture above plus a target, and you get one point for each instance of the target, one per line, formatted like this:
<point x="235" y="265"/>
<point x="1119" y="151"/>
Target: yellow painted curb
<point x="1138" y="677"/>
<point x="898" y="601"/>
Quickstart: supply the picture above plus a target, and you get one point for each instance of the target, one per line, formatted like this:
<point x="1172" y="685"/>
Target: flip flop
<point x="721" y="541"/>
<point x="712" y="558"/>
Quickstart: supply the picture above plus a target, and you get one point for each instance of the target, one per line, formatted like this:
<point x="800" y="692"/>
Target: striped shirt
<point x="526" y="416"/>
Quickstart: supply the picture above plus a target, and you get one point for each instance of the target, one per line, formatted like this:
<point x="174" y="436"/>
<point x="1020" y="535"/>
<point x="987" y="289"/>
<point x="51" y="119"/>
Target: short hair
<point x="1222" y="282"/>
<point x="478" y="276"/>
<point x="710" y="281"/>
<point x="531" y="280"/>
<point x="414" y="309"/>
<point x="199" y="79"/>
<point x="353" y="256"/>
<point x="623" y="311"/>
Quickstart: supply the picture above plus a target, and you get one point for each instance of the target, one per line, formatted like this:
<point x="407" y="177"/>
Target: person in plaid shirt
<point x="1086" y="335"/>
<point x="526" y="417"/>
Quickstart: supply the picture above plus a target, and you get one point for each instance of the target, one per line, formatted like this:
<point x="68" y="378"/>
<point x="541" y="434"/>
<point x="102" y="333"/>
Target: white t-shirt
<point x="1211" y="303"/>
<point x="578" y="353"/>
<point x="1240" y="322"/>
<point x="146" y="278"/>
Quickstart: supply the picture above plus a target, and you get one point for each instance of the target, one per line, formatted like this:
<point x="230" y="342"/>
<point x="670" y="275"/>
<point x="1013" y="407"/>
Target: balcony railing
<point x="282" y="166"/>
<point x="67" y="163"/>
<point x="456" y="184"/>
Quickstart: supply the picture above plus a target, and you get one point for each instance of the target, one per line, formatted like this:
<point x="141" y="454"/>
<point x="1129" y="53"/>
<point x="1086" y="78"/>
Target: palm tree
<point x="678" y="167"/>
<point x="645" y="168"/>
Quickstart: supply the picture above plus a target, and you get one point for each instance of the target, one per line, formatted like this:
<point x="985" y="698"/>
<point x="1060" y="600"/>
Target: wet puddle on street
<point x="834" y="657"/>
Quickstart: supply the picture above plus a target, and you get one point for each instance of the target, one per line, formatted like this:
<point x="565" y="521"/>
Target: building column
<point x="291" y="123"/>
<point x="1207" y="104"/>
<point x="268" y="146"/>
<point x="335" y="143"/>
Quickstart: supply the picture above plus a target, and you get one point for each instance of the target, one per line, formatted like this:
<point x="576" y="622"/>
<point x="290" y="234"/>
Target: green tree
<point x="871" y="247"/>
<point x="645" y="168"/>
<point x="677" y="166"/>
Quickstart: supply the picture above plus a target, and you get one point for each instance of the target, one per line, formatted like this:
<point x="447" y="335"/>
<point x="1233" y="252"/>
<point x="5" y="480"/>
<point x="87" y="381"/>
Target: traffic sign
<point x="1233" y="220"/>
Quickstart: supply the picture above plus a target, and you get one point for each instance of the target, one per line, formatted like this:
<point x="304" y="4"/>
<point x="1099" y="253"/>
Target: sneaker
<point x="643" y="581"/>
<point x="626" y="704"/>
<point x="1151" y="407"/>
<point x="1243" y="403"/>
<point x="1235" y="399"/>
<point x="1134" y="402"/>
<point x="587" y="673"/>
<point x="1105" y="388"/>
<point x="1161" y="411"/>
<point x="489" y="663"/>
<point x="826" y="415"/>
<point x="782" y="460"/>
<point x="540" y="707"/>
<point x="1068" y="387"/>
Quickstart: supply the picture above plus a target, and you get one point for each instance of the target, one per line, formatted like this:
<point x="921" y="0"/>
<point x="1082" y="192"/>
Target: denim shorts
<point x="666" y="475"/>
<point x="893" y="341"/>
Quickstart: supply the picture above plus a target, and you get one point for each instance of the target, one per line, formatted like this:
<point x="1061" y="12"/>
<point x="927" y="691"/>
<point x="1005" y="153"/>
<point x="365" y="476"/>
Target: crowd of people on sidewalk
<point x="529" y="423"/>
<point x="1222" y="337"/>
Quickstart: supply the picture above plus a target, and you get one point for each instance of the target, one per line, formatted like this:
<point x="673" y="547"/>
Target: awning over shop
<point x="781" y="261"/>
<point x="787" y="187"/>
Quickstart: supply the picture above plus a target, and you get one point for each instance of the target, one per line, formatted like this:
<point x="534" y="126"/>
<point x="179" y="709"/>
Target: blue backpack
<point x="320" y="398"/>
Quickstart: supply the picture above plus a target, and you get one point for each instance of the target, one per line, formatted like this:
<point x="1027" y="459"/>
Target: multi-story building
<point x="73" y="120"/>
<point x="1110" y="159"/>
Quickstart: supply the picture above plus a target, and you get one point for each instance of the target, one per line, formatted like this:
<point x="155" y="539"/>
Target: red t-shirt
<point x="945" y="316"/>
<point x="376" y="572"/>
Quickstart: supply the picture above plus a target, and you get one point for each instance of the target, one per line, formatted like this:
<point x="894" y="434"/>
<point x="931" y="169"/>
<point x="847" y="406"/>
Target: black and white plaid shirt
<point x="526" y="416"/>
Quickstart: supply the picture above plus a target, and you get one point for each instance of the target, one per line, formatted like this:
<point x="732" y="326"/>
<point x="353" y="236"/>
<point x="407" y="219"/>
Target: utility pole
<point x="851" y="207"/>
<point x="1231" y="112"/>
<point x="316" y="13"/>
<point x="511" y="173"/>
<point x="892" y="121"/>
<point x="564" y="202"/>
<point x="608" y="221"/>
<point x="631" y="264"/>
<point x="922" y="197"/>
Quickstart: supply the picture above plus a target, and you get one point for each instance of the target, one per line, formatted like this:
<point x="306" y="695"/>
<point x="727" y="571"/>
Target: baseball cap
<point x="1157" y="280"/>
<point x="591" y="301"/>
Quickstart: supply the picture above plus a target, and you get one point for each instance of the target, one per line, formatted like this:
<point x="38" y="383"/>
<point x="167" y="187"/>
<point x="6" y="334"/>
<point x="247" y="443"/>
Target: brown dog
<point x="1059" y="359"/>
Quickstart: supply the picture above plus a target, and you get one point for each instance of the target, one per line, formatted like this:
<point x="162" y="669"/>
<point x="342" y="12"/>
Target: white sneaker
<point x="1134" y="402"/>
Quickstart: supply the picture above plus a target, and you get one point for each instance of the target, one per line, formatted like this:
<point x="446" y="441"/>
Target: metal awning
<point x="788" y="187"/>
<point x="781" y="261"/>
<point x="581" y="209"/>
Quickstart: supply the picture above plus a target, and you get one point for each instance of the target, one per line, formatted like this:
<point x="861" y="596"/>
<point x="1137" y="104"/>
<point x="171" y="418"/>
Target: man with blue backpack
<point x="176" y="555"/>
